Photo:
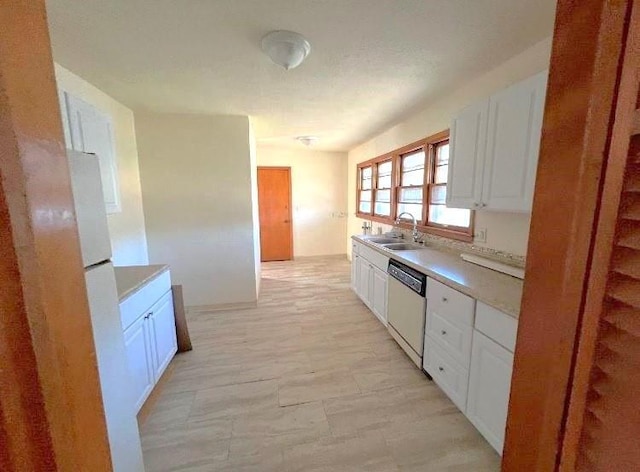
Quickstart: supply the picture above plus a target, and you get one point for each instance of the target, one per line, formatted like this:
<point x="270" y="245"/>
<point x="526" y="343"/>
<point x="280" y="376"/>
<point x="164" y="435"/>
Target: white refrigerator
<point x="117" y="398"/>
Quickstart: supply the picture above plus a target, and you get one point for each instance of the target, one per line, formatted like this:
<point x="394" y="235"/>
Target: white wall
<point x="505" y="231"/>
<point x="255" y="214"/>
<point x="196" y="185"/>
<point x="318" y="194"/>
<point x="127" y="229"/>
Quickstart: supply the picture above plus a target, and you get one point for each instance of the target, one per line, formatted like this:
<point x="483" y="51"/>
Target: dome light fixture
<point x="286" y="48"/>
<point x="308" y="140"/>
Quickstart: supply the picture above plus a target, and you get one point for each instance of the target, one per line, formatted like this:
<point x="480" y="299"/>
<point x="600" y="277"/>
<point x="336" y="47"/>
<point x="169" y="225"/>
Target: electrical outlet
<point x="480" y="235"/>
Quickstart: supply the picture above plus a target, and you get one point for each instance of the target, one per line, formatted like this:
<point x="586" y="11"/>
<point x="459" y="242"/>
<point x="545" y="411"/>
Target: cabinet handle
<point x="149" y="315"/>
<point x="441" y="369"/>
<point x="482" y="205"/>
<point x="445" y="299"/>
<point x="444" y="333"/>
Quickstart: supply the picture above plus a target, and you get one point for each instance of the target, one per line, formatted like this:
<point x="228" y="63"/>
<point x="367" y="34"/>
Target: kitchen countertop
<point x="130" y="278"/>
<point x="496" y="289"/>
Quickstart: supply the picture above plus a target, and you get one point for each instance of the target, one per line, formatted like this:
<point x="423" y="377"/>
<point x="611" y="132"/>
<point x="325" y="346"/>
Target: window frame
<point x="429" y="145"/>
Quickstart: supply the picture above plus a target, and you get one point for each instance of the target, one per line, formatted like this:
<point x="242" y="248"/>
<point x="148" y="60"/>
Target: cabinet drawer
<point x="496" y="325"/>
<point x="355" y="247"/>
<point x="454" y="338"/>
<point x="132" y="307"/>
<point x="456" y="307"/>
<point x="447" y="373"/>
<point x="379" y="260"/>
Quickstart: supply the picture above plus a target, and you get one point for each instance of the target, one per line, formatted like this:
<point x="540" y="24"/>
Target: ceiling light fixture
<point x="286" y="48"/>
<point x="308" y="140"/>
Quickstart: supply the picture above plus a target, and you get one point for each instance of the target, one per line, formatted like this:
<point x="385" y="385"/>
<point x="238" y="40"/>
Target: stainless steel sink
<point x="402" y="246"/>
<point x="382" y="240"/>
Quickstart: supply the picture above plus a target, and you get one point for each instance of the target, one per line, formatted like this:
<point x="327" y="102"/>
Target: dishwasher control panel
<point x="408" y="276"/>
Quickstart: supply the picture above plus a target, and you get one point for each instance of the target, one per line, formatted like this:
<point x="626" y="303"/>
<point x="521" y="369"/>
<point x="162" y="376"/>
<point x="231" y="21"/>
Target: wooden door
<point x="513" y="145"/>
<point x="467" y="155"/>
<point x="573" y="404"/>
<point x="52" y="412"/>
<point x="274" y="200"/>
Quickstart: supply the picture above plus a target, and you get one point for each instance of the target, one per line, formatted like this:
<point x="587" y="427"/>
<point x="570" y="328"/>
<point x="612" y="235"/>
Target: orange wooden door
<point x="274" y="200"/>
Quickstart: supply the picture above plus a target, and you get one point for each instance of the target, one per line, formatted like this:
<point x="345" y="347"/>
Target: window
<point x="413" y="179"/>
<point x="411" y="189"/>
<point x="439" y="214"/>
<point x="384" y="171"/>
<point x="365" y="179"/>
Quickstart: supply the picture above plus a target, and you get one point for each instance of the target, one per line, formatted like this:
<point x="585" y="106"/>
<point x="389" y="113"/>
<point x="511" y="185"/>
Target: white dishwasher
<point x="407" y="309"/>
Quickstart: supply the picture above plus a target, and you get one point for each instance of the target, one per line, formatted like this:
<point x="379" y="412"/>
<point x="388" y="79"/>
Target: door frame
<point x="50" y="397"/>
<point x="563" y="270"/>
<point x="288" y="169"/>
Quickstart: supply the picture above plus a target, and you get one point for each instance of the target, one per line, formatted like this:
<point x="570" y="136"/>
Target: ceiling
<point x="372" y="62"/>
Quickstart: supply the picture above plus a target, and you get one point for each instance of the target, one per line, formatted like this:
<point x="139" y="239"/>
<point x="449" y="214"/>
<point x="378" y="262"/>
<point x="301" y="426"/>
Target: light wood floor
<point x="308" y="381"/>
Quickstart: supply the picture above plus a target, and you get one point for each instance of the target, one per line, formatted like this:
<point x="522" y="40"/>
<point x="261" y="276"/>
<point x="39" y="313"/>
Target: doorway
<point x="274" y="202"/>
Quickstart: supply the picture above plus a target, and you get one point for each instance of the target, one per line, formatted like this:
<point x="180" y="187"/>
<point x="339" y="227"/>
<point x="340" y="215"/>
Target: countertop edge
<point x="508" y="310"/>
<point x="125" y="294"/>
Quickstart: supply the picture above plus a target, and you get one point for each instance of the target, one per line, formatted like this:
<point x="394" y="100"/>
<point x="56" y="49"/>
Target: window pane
<point x="413" y="161"/>
<point x="366" y="178"/>
<point x="365" y="207"/>
<point x="383" y="209"/>
<point x="441" y="174"/>
<point x="384" y="174"/>
<point x="383" y="196"/>
<point x="442" y="215"/>
<point x="415" y="177"/>
<point x="365" y="195"/>
<point x="410" y="195"/>
<point x="442" y="154"/>
<point x="439" y="194"/>
<point x="384" y="181"/>
<point x="414" y="209"/>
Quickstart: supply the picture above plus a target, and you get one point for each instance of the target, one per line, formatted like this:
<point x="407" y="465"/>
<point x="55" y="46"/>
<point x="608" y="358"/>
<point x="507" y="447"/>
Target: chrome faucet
<point x="415" y="234"/>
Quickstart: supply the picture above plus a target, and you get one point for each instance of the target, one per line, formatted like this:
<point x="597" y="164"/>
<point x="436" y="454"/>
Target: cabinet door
<point x="364" y="280"/>
<point x="162" y="325"/>
<point x="138" y="348"/>
<point x="91" y="131"/>
<point x="466" y="158"/>
<point x="354" y="272"/>
<point x="513" y="145"/>
<point x="489" y="387"/>
<point x="379" y="294"/>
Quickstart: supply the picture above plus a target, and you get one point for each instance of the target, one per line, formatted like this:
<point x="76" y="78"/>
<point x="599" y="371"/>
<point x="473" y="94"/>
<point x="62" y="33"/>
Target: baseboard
<point x="222" y="307"/>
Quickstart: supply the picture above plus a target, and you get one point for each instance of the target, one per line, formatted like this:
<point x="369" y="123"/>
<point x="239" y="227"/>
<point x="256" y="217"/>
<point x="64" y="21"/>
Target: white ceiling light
<point x="308" y="140"/>
<point x="286" y="48"/>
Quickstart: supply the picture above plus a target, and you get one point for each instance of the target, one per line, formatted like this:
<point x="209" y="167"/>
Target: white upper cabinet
<point x="89" y="130"/>
<point x="513" y="145"/>
<point x="494" y="149"/>
<point x="468" y="145"/>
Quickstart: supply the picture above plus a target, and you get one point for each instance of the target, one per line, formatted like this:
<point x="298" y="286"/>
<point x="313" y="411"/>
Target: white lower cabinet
<point x="450" y="376"/>
<point x="150" y="335"/>
<point x="369" y="280"/>
<point x="364" y="280"/>
<point x="138" y="347"/>
<point x="379" y="294"/>
<point x="163" y="334"/>
<point x="489" y="387"/>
